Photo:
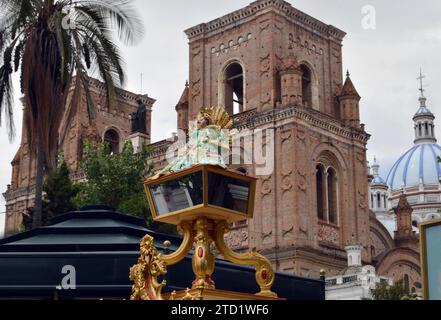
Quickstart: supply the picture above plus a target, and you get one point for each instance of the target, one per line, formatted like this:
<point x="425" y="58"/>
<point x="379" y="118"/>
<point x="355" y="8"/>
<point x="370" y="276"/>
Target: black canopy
<point x="102" y="245"/>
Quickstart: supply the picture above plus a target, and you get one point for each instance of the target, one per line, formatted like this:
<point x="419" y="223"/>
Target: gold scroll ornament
<point x="202" y="233"/>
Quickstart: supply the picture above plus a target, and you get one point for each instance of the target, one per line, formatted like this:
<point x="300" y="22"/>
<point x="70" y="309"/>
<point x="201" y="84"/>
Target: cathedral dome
<point x="417" y="166"/>
<point x="423" y="111"/>
<point x="377" y="180"/>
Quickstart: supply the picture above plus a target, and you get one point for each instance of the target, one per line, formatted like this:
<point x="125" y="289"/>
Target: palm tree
<point x="55" y="45"/>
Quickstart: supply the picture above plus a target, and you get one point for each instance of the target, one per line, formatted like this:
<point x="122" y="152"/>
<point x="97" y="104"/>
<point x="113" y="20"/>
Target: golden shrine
<point x="202" y="197"/>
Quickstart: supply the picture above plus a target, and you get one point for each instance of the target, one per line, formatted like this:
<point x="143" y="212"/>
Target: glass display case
<point x="201" y="191"/>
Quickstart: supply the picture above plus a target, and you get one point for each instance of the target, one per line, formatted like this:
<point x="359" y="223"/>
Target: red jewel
<point x="200" y="252"/>
<point x="264" y="274"/>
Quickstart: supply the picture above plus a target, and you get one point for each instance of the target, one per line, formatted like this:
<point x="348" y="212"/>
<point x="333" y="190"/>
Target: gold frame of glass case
<point x="204" y="206"/>
<point x="424" y="256"/>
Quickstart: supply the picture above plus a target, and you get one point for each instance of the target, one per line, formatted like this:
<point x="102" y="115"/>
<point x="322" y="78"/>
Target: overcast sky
<point x="384" y="64"/>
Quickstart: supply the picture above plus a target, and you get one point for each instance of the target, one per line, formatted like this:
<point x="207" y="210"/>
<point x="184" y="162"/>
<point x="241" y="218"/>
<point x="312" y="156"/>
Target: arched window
<point x="420" y="129"/>
<point x="372" y="201"/>
<point x="328" y="190"/>
<point x="306" y="85"/>
<point x="332" y="195"/>
<point x="385" y="201"/>
<point x="406" y="283"/>
<point x="320" y="194"/>
<point x="426" y="125"/>
<point x="112" y="138"/>
<point x="379" y="201"/>
<point x="234" y="89"/>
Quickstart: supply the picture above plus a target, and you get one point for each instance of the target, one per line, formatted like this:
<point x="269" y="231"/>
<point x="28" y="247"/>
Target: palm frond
<point x="6" y="91"/>
<point x="121" y="14"/>
<point x="104" y="54"/>
<point x="64" y="45"/>
<point x="50" y="54"/>
<point x="18" y="54"/>
<point x="7" y="99"/>
<point x="89" y="101"/>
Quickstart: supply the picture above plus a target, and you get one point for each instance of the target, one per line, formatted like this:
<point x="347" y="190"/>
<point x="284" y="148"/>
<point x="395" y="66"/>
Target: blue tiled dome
<point x="378" y="180"/>
<point x="418" y="165"/>
<point x="423" y="110"/>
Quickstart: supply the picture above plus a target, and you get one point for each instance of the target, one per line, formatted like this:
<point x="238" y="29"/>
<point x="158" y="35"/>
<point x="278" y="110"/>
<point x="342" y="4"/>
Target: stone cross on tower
<point x="421" y="77"/>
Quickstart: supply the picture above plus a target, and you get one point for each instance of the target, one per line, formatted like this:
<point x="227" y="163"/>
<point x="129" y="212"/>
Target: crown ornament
<point x="217" y="116"/>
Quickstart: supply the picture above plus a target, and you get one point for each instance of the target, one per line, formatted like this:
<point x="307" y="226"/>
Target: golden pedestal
<point x="202" y="201"/>
<point x="214" y="294"/>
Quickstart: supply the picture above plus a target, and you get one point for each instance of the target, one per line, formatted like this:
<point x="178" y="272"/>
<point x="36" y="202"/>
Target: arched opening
<point x="306" y="85"/>
<point x="379" y="201"/>
<point x="234" y="89"/>
<point x="329" y="189"/>
<point x="372" y="201"/>
<point x="385" y="201"/>
<point x="111" y="137"/>
<point x="406" y="283"/>
<point x="426" y="125"/>
<point x="332" y="195"/>
<point x="319" y="192"/>
<point x="373" y="252"/>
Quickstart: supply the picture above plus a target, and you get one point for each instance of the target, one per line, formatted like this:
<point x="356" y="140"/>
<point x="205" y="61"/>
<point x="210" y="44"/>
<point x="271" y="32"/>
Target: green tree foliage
<point x="115" y="180"/>
<point x="59" y="193"/>
<point x="396" y="292"/>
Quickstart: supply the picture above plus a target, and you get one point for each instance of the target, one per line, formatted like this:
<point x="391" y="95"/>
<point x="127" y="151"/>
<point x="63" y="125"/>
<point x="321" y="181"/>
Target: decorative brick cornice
<point x="262" y="6"/>
<point x="312" y="117"/>
<point x="159" y="148"/>
<point x="243" y="117"/>
<point x="18" y="193"/>
<point x="124" y="95"/>
<point x="252" y="119"/>
<point x="334" y="257"/>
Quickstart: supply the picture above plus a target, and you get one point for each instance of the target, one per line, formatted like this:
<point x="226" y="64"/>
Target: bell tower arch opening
<point x="111" y="137"/>
<point x="232" y="90"/>
<point x="307" y="85"/>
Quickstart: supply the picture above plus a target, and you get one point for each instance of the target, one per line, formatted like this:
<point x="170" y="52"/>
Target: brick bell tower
<point x="275" y="67"/>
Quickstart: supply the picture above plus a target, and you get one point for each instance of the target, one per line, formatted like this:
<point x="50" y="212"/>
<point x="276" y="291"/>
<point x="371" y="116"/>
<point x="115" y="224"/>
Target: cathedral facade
<point x="275" y="69"/>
